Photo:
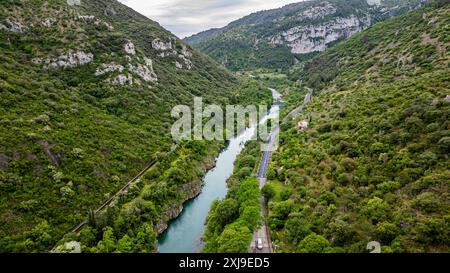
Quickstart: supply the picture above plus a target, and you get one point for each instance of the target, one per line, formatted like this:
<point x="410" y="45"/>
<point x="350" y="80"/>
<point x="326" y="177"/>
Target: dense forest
<point x="86" y="93"/>
<point x="373" y="164"/>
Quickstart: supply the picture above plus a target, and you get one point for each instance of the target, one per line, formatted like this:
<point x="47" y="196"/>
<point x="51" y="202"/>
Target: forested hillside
<point x="374" y="163"/>
<point x="86" y="90"/>
<point x="279" y="38"/>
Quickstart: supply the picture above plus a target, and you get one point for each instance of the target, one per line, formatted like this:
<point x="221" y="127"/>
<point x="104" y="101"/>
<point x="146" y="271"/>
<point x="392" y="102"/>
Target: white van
<point x="259" y="243"/>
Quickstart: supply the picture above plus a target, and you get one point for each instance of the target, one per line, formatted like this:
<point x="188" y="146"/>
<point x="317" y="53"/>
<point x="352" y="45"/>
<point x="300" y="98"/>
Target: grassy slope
<point x="374" y="164"/>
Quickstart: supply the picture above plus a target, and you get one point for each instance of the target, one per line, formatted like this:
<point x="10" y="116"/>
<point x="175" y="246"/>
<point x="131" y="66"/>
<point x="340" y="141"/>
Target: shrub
<point x="348" y="164"/>
<point x="227" y="211"/>
<point x="389" y="186"/>
<point x="245" y="172"/>
<point x="427" y="202"/>
<point x="344" y="178"/>
<point x="297" y="229"/>
<point x="377" y="209"/>
<point x="386" y="232"/>
<point x="313" y="243"/>
<point x="268" y="191"/>
<point x="235" y="239"/>
<point x="328" y="198"/>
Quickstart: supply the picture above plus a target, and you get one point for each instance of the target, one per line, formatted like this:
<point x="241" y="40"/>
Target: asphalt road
<point x="263" y="233"/>
<point x="297" y="110"/>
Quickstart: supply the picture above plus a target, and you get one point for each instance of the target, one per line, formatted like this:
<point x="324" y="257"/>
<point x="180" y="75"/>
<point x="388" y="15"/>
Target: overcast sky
<point x="186" y="17"/>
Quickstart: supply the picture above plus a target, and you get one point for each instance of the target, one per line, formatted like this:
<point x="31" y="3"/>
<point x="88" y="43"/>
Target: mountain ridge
<point x="278" y="38"/>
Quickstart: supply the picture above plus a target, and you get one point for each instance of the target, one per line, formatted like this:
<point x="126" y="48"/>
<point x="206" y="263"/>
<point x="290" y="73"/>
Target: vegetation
<point x="232" y="221"/>
<point x="70" y="139"/>
<point x="253" y="42"/>
<point x="373" y="165"/>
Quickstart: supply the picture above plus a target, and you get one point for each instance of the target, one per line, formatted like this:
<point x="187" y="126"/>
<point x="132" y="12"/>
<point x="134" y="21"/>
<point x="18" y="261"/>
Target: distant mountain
<point x="280" y="37"/>
<point x="86" y="91"/>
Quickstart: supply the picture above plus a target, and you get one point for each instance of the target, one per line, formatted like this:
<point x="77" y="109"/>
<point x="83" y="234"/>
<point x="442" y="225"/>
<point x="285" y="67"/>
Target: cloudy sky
<point x="186" y="17"/>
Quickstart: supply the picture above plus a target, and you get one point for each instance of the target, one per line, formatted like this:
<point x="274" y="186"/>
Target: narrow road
<point x="264" y="232"/>
<point x="297" y="110"/>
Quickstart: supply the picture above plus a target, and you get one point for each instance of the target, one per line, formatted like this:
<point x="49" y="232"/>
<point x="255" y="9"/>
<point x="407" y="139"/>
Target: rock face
<point x="190" y="191"/>
<point x="144" y="71"/>
<point x="49" y="22"/>
<point x="12" y="26"/>
<point x="71" y="59"/>
<point x="275" y="38"/>
<point x="129" y="48"/>
<point x="168" y="50"/>
<point x="161" y="45"/>
<point x="121" y="80"/>
<point x="74" y="2"/>
<point x="374" y="2"/>
<point x="318" y="11"/>
<point x="108" y="68"/>
<point x="69" y="247"/>
<point x="312" y="38"/>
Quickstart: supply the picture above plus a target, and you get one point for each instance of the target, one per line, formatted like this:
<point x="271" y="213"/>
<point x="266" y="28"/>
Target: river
<point x="184" y="233"/>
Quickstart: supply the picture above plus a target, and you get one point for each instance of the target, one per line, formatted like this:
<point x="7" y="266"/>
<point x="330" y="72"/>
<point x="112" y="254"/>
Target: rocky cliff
<point x="278" y="38"/>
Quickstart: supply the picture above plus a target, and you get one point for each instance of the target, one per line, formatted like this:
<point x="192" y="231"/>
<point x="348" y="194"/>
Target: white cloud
<point x="186" y="17"/>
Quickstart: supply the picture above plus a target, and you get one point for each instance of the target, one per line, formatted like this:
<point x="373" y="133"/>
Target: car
<point x="259" y="243"/>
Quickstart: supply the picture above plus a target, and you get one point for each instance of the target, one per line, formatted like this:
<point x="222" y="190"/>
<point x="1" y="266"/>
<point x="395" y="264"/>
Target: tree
<point x="427" y="202"/>
<point x="247" y="161"/>
<point x="245" y="172"/>
<point x="297" y="229"/>
<point x="282" y="209"/>
<point x="328" y="198"/>
<point x="377" y="209"/>
<point x="40" y="234"/>
<point x="145" y="240"/>
<point x="87" y="236"/>
<point x="268" y="191"/>
<point x="348" y="164"/>
<point x="248" y="191"/>
<point x="285" y="194"/>
<point x="227" y="211"/>
<point x="341" y="232"/>
<point x="125" y="245"/>
<point x="108" y="244"/>
<point x="444" y="145"/>
<point x="313" y="243"/>
<point x="432" y="230"/>
<point x="386" y="232"/>
<point x="344" y="178"/>
<point x="235" y="239"/>
<point x="251" y="216"/>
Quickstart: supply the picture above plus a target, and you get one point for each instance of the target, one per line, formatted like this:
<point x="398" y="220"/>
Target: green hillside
<point x="374" y="163"/>
<point x="279" y="38"/>
<point x="86" y="93"/>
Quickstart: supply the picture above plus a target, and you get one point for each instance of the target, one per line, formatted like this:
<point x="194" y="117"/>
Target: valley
<point x="88" y="163"/>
